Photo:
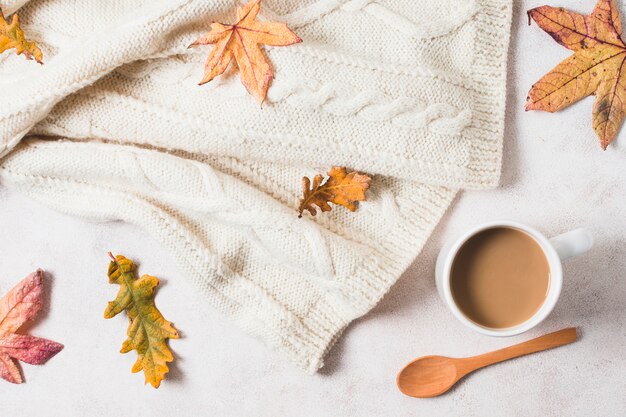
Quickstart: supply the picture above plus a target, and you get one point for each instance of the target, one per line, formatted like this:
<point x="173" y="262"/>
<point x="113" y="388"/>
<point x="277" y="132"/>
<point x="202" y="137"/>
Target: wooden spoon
<point x="430" y="376"/>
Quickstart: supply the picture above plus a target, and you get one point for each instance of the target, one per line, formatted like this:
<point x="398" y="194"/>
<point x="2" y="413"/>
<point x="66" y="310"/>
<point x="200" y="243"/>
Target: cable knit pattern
<point x="370" y="105"/>
<point x="426" y="29"/>
<point x="114" y="127"/>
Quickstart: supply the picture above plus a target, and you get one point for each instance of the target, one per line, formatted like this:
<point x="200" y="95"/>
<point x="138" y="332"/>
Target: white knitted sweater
<point x="114" y="126"/>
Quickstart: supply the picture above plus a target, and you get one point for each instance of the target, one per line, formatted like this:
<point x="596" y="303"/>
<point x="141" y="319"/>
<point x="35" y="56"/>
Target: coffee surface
<point x="500" y="277"/>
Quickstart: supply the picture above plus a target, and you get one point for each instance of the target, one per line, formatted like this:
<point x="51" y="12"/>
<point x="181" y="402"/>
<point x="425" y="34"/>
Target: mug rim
<point x="554" y="288"/>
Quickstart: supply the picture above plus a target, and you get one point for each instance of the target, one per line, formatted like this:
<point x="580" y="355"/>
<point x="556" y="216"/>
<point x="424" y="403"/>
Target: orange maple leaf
<point x="341" y="188"/>
<point x="241" y="41"/>
<point x="597" y="66"/>
<point x="12" y="37"/>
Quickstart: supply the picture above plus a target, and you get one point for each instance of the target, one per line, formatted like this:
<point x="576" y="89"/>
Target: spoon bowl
<point x="428" y="376"/>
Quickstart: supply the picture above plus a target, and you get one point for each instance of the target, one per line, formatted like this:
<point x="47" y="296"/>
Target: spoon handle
<point x="548" y="341"/>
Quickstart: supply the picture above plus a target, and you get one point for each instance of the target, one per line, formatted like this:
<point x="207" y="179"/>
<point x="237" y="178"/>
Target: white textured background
<point x="555" y="178"/>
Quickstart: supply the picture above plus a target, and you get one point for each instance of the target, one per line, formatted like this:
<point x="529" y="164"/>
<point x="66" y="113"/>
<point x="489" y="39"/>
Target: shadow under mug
<point x="556" y="250"/>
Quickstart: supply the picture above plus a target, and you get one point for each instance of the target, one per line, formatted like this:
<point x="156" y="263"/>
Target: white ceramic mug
<point x="556" y="250"/>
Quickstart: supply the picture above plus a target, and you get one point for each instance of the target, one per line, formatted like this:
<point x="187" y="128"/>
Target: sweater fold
<point x="114" y="126"/>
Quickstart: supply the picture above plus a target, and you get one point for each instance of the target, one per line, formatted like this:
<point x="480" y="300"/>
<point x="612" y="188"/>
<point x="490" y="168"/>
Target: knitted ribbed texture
<point x="114" y="126"/>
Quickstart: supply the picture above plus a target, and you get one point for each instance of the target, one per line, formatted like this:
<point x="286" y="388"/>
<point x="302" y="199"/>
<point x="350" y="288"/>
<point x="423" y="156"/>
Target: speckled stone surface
<point x="555" y="178"/>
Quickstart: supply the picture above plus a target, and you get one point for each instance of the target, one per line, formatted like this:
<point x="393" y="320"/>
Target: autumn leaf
<point x="12" y="37"/>
<point x="241" y="41"/>
<point x="340" y="187"/>
<point x="147" y="330"/>
<point x="597" y="66"/>
<point x="19" y="305"/>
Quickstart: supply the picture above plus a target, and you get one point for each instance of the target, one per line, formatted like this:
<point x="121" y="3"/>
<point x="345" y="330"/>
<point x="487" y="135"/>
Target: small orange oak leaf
<point x="597" y="67"/>
<point x="241" y="41"/>
<point x="341" y="187"/>
<point x="19" y="305"/>
<point x="12" y="37"/>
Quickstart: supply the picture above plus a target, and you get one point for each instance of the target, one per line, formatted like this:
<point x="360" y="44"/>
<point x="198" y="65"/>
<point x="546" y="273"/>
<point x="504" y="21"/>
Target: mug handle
<point x="572" y="243"/>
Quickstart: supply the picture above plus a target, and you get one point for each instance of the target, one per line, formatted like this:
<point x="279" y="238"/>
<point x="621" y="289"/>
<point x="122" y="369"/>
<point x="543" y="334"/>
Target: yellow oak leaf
<point x="240" y="41"/>
<point x="12" y="37"/>
<point x="148" y="330"/>
<point x="341" y="187"/>
<point x="597" y="66"/>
